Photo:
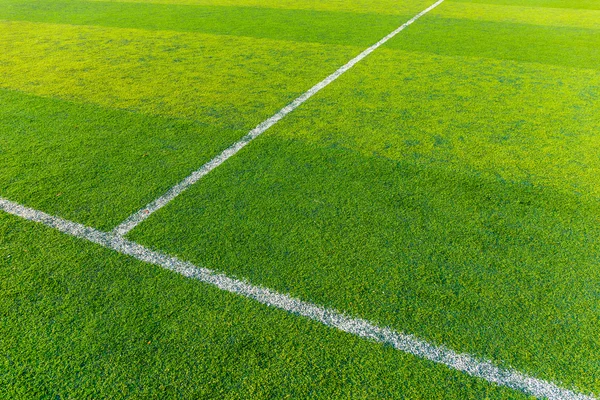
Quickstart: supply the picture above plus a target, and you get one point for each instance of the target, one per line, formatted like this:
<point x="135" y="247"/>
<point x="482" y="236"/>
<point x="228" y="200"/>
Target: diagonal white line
<point x="332" y="318"/>
<point x="133" y="220"/>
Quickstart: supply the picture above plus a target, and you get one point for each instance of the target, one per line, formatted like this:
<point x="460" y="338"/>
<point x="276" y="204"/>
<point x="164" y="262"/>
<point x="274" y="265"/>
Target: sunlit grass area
<point x="445" y="187"/>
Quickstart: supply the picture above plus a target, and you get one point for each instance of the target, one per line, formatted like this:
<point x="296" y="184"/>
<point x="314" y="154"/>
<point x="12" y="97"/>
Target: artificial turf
<point x="564" y="46"/>
<point x="95" y="164"/>
<point x="382" y="7"/>
<point x="446" y="187"/>
<point x="443" y="194"/>
<point x="542" y="4"/>
<point x="521" y="13"/>
<point x="221" y="80"/>
<point x="484" y="266"/>
<point x="330" y="27"/>
<point x="109" y="133"/>
<point x="78" y="321"/>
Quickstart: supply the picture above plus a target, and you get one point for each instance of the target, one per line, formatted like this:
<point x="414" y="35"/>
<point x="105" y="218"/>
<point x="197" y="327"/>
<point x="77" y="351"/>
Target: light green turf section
<point x="456" y="198"/>
<point x="520" y="122"/>
<point x="564" y="46"/>
<point x="78" y="321"/>
<point x="280" y="24"/>
<point x="581" y="18"/>
<point x="224" y="81"/>
<point x="355" y="6"/>
<point x="577" y="4"/>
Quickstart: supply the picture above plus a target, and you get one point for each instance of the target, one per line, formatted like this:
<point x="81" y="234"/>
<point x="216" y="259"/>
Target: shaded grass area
<point x="505" y="271"/>
<point x="295" y="25"/>
<point x="565" y="46"/>
<point x="78" y="321"/>
<point x="92" y="164"/>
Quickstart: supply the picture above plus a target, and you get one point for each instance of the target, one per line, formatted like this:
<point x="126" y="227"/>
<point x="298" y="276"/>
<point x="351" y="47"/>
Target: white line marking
<point x="133" y="220"/>
<point x="332" y="318"/>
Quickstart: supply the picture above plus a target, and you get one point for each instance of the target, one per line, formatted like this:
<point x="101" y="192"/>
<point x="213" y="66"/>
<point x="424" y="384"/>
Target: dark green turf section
<point x="95" y="164"/>
<point x="504" y="271"/>
<point x="78" y="321"/>
<point x="281" y="24"/>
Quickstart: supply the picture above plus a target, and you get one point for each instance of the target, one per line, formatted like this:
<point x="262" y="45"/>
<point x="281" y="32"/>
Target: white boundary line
<point x="133" y="220"/>
<point x="329" y="317"/>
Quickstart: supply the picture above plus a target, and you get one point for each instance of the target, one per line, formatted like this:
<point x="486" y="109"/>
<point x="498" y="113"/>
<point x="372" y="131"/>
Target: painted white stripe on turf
<point x="133" y="220"/>
<point x="332" y="318"/>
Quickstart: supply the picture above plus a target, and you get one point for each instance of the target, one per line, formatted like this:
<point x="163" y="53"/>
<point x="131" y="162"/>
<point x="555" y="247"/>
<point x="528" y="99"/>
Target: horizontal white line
<point x="332" y="318"/>
<point x="135" y="219"/>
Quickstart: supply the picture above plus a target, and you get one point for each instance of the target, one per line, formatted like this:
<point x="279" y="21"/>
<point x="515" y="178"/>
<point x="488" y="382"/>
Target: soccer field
<point x="272" y="199"/>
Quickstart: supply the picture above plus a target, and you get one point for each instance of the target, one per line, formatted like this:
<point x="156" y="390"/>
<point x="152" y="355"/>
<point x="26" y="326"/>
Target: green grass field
<point x="446" y="187"/>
